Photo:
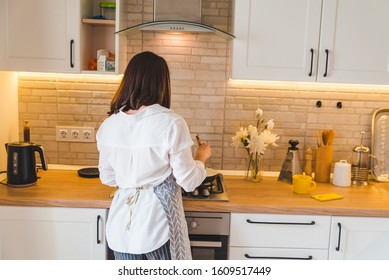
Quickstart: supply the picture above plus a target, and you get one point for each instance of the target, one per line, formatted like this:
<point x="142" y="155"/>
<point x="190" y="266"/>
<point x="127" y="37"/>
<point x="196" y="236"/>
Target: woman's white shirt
<point x="140" y="151"/>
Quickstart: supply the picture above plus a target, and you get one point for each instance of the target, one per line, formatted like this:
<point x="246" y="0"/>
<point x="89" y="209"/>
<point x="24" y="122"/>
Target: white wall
<point x="9" y="126"/>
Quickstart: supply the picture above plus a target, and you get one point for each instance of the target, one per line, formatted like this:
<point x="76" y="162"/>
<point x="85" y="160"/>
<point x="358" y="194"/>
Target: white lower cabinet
<point x="47" y="233"/>
<point x="268" y="236"/>
<point x="359" y="238"/>
<point x="246" y="253"/>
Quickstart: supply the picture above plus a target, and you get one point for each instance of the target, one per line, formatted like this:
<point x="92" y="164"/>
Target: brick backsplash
<point x="214" y="113"/>
<point x="213" y="106"/>
<point x="293" y="108"/>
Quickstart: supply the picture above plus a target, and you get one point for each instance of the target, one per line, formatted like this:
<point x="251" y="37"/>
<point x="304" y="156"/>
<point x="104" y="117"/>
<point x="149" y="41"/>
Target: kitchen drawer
<point x="280" y="231"/>
<point x="249" y="253"/>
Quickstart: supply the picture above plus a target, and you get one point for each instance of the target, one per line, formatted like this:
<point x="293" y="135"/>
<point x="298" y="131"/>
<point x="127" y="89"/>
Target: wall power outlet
<point x="75" y="134"/>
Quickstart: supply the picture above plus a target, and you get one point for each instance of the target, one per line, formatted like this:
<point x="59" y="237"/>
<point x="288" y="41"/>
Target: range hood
<point x="176" y="16"/>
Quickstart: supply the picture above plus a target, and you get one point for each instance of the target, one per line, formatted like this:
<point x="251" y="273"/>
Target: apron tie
<point x="131" y="201"/>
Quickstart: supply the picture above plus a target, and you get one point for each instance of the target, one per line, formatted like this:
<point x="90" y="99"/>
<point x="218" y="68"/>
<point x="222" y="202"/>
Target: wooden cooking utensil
<point x="198" y="140"/>
<point x="324" y="136"/>
<point x="318" y="138"/>
<point x="323" y="164"/>
<point x="331" y="136"/>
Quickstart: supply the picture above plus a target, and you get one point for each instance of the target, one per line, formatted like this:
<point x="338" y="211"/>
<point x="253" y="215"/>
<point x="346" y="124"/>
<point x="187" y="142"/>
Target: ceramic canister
<point x="342" y="174"/>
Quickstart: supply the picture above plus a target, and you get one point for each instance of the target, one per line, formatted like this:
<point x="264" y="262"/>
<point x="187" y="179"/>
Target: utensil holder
<point x="323" y="164"/>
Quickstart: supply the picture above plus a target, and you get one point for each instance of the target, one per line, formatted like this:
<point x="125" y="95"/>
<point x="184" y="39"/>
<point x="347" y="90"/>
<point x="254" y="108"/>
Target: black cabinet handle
<point x="325" y="72"/>
<point x="98" y="229"/>
<point x="277" y="258"/>
<point x="340" y="232"/>
<point x="281" y="223"/>
<point x="71" y="53"/>
<point x="310" y="71"/>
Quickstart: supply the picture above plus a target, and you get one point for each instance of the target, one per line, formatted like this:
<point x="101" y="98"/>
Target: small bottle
<point x="26" y="132"/>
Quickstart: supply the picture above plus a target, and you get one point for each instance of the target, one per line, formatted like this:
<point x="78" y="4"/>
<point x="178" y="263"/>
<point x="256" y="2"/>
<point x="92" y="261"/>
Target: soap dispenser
<point x="292" y="164"/>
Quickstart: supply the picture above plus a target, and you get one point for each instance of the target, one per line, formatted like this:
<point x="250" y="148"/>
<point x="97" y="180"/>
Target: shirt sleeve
<point x="106" y="171"/>
<point x="189" y="173"/>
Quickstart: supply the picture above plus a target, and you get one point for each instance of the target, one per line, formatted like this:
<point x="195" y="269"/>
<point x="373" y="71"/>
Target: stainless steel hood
<point x="176" y="16"/>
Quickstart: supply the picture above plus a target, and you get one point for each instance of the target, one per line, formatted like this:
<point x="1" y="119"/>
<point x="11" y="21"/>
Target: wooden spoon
<point x="318" y="138"/>
<point x="198" y="140"/>
<point x="331" y="136"/>
<point x="324" y="136"/>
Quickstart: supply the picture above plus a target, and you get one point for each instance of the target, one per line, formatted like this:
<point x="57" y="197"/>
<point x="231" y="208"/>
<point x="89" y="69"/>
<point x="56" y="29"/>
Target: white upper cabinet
<point x="274" y="39"/>
<point x="312" y="40"/>
<point x="60" y="36"/>
<point x="355" y="33"/>
<point x="40" y="35"/>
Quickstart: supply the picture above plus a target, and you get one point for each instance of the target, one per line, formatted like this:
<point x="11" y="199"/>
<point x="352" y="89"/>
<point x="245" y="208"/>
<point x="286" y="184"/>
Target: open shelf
<point x="103" y="22"/>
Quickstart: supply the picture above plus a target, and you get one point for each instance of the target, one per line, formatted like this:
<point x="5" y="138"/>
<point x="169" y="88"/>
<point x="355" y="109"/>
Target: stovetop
<point x="210" y="191"/>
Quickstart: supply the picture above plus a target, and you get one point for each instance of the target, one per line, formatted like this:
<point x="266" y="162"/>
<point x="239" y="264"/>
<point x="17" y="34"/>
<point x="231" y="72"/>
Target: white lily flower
<point x="239" y="137"/>
<point x="257" y="144"/>
<point x="271" y="138"/>
<point x="252" y="130"/>
<point x="258" y="113"/>
<point x="256" y="139"/>
<point x="270" y="124"/>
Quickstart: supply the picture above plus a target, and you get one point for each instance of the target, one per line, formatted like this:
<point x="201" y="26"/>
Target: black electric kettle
<point x="21" y="163"/>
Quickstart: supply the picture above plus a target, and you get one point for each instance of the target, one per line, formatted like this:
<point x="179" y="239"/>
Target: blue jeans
<point x="162" y="253"/>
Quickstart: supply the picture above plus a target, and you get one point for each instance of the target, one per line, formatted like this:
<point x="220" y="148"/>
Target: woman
<point x="145" y="150"/>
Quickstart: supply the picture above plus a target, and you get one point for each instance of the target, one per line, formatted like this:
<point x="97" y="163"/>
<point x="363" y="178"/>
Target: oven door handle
<point x="209" y="244"/>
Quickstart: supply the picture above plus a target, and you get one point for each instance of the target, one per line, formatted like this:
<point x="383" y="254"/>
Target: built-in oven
<point x="208" y="234"/>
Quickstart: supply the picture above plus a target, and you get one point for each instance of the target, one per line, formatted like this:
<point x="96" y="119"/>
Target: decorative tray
<point x="380" y="145"/>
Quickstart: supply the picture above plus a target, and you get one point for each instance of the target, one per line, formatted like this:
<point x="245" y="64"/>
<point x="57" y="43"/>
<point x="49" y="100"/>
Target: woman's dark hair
<point x="146" y="81"/>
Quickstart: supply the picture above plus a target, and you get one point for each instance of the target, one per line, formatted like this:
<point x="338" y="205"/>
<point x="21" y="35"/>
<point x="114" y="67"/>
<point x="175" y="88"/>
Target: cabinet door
<point x="52" y="233"/>
<point x="248" y="253"/>
<point x="40" y="35"/>
<point x="279" y="231"/>
<point x="357" y="238"/>
<point x="276" y="39"/>
<point x="355" y="34"/>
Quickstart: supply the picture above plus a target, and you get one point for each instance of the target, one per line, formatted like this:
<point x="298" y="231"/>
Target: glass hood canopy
<point x="176" y="16"/>
<point x="174" y="26"/>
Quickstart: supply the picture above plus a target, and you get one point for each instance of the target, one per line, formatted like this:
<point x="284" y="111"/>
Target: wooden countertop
<point x="273" y="197"/>
<point x="64" y="188"/>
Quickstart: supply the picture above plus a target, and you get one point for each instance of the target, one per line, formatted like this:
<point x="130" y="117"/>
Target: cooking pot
<point x="211" y="175"/>
<point x="211" y="184"/>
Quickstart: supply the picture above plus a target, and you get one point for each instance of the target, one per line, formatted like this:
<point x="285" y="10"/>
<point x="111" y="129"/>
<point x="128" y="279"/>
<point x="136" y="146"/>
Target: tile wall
<point x="213" y="106"/>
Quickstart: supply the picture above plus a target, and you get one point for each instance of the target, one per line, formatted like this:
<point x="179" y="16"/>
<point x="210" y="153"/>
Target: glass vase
<point x="254" y="172"/>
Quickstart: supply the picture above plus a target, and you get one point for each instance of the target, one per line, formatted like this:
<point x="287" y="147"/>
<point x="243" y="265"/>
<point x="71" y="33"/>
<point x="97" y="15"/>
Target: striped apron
<point x="170" y="196"/>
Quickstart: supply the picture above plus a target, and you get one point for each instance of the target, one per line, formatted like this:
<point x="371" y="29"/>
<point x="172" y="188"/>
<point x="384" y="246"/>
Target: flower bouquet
<point x="256" y="139"/>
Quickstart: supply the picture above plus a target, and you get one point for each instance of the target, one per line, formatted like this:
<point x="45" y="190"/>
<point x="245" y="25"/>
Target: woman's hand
<point x="203" y="152"/>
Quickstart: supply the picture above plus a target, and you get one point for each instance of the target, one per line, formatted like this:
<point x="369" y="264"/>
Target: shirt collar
<point x="148" y="111"/>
